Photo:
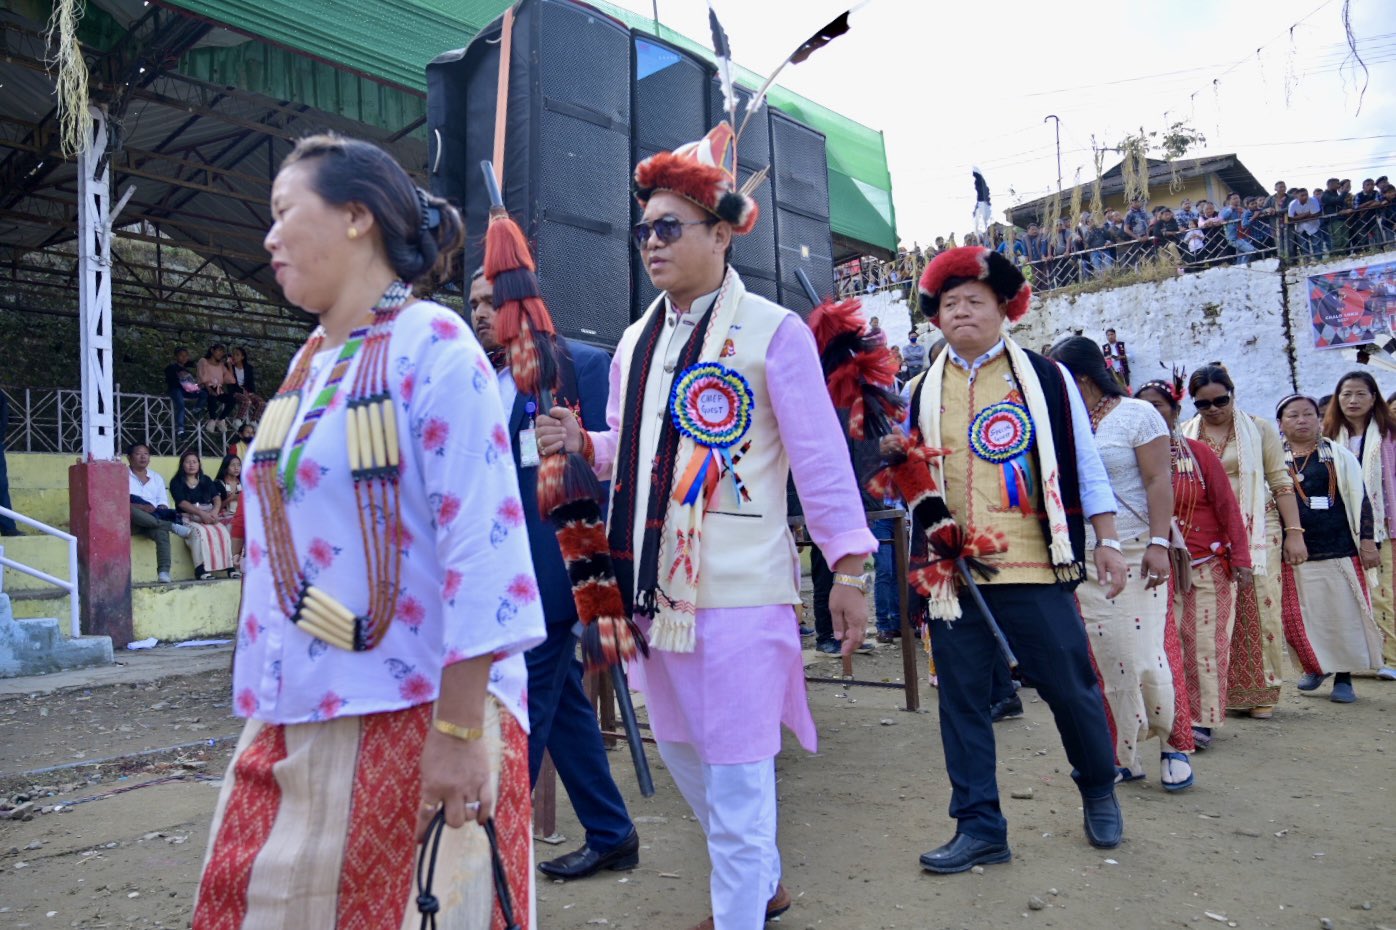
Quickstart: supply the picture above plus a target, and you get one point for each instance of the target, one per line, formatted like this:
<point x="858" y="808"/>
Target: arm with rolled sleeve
<point x="462" y="455"/>
<point x="1097" y="496"/>
<point x="815" y="443"/>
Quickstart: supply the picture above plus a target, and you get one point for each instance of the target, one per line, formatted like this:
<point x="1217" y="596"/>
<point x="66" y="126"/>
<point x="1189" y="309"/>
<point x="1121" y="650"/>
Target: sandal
<point x="1124" y="773"/>
<point x="234" y="573"/>
<point x="205" y="576"/>
<point x="1168" y="761"/>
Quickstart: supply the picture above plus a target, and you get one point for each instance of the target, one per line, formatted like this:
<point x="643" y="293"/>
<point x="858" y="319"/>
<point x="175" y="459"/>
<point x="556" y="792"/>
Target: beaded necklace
<point x="1296" y="470"/>
<point x="371" y="429"/>
<point x="1188" y="483"/>
<point x="1101" y="408"/>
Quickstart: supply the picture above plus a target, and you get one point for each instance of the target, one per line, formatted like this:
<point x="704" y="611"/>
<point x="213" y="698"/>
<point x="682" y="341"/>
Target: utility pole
<point x="1058" y="124"/>
<point x="655" y="3"/>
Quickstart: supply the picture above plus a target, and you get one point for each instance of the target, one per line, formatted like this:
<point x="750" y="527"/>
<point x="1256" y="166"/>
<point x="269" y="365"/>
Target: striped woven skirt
<point x="211" y="545"/>
<point x="1206" y="615"/>
<point x="1379" y="582"/>
<point x="315" y="830"/>
<point x="1256" y="667"/>
<point x="1328" y="617"/>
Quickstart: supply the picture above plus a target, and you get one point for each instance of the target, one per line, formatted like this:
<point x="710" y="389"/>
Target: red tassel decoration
<point x="858" y="368"/>
<point x="568" y="492"/>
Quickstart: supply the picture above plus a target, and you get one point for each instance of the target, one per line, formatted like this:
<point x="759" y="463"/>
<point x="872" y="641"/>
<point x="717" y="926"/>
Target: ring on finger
<point x="430" y="805"/>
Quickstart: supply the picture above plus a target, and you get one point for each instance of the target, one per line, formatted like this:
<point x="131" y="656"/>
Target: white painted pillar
<point x="94" y="293"/>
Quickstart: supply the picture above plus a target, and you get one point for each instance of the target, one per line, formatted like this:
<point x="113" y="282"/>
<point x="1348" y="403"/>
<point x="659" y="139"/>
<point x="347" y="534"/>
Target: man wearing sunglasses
<point x="717" y="395"/>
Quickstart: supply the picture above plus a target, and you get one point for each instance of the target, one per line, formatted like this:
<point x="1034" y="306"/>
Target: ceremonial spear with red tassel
<point x="861" y="375"/>
<point x="568" y="492"/>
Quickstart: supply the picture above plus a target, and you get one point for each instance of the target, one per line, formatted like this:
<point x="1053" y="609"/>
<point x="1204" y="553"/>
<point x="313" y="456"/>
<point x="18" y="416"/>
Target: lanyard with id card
<point x="528" y="440"/>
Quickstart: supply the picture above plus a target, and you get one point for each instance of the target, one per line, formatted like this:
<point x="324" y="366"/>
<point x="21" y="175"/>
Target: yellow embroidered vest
<point x="973" y="487"/>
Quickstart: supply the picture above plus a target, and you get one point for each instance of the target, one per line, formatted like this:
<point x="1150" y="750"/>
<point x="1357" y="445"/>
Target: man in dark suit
<point x="561" y="719"/>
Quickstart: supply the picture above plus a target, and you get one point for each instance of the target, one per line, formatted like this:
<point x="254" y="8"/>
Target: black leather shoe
<point x="587" y="861"/>
<point x="963" y="853"/>
<point x="1010" y="708"/>
<point x="1105" y="825"/>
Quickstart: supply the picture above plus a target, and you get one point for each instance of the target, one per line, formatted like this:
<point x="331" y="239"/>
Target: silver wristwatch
<point x="1160" y="541"/>
<point x="1109" y="544"/>
<point x="862" y="582"/>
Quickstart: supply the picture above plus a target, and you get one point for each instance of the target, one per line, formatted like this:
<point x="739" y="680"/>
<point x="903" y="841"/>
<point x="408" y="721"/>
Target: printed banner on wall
<point x="1354" y="306"/>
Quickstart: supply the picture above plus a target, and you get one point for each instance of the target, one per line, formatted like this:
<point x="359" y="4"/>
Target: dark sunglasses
<point x="666" y="229"/>
<point x="1219" y="403"/>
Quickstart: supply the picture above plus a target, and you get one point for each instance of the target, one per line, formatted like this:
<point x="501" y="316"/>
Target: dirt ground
<point x="1292" y="822"/>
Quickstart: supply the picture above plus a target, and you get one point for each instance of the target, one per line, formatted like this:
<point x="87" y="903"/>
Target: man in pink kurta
<point x="717" y="396"/>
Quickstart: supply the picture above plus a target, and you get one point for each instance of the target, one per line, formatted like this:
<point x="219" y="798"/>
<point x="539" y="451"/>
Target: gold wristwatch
<point x="862" y="582"/>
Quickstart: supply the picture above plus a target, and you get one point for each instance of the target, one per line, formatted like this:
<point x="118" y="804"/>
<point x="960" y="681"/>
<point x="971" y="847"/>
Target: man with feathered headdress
<point x="1021" y="467"/>
<point x="716" y="396"/>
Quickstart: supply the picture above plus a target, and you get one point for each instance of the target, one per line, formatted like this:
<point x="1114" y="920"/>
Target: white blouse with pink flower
<point x="467" y="576"/>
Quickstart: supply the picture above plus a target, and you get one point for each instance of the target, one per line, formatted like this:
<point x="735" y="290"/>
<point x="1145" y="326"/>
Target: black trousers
<point x="1044" y="628"/>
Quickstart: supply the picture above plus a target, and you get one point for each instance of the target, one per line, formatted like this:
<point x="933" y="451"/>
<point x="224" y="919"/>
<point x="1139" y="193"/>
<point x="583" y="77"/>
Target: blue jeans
<point x="181" y="400"/>
<point x="885" y="599"/>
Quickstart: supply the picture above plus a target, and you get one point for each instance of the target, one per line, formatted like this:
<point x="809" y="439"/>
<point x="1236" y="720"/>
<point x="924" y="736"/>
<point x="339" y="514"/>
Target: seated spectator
<point x="1095" y="241"/>
<point x="1137" y="220"/>
<point x="1307" y="232"/>
<point x="229" y="482"/>
<point x="1165" y="228"/>
<point x="151" y="515"/>
<point x="1213" y="229"/>
<point x="1278" y="202"/>
<point x="1366" y="225"/>
<point x="1256" y="221"/>
<point x="1035" y="244"/>
<point x="1235" y="233"/>
<point x="875" y="330"/>
<point x="196" y="496"/>
<point x="1185" y="214"/>
<point x="215" y="379"/>
<point x="914" y="355"/>
<point x="183" y="388"/>
<point x="1331" y="202"/>
<point x="250" y="404"/>
<point x="1194" y="242"/>
<point x="242" y="441"/>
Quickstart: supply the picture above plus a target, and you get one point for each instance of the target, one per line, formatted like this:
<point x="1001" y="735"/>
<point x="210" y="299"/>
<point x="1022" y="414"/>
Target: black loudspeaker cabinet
<point x="587" y="99"/>
<point x="800" y="189"/>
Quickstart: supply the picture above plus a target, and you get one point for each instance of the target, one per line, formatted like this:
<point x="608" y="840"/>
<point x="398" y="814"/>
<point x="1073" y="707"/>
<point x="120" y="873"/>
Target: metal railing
<point x="71" y="586"/>
<point x="1263" y="234"/>
<point x="50" y="420"/>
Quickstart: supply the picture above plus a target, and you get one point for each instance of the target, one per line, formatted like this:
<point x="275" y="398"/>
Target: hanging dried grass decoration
<point x="1097" y="198"/>
<point x="69" y="69"/>
<point x="1076" y="193"/>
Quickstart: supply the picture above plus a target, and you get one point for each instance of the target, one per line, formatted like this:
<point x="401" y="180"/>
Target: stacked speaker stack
<point x="587" y="98"/>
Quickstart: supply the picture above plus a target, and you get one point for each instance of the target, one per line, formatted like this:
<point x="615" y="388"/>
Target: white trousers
<point x="736" y="807"/>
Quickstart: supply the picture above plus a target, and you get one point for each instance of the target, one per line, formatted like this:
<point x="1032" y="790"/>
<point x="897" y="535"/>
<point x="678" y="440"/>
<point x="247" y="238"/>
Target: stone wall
<point x="1253" y="318"/>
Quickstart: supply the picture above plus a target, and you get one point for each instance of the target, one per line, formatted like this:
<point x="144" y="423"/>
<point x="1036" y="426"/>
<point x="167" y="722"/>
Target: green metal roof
<point x="393" y="42"/>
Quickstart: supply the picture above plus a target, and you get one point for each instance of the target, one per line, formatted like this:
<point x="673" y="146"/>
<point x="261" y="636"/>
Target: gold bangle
<point x="464" y="734"/>
<point x="1294" y="529"/>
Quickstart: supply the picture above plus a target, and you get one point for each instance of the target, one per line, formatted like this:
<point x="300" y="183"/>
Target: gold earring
<point x="353" y="232"/>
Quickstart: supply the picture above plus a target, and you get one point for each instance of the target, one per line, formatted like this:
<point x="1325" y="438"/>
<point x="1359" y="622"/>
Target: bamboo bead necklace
<point x="371" y="430"/>
<point x="1297" y="468"/>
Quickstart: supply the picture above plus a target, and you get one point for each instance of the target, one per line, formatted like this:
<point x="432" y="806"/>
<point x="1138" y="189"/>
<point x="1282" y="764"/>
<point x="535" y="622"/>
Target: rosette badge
<point x="711" y="404"/>
<point x="1002" y="434"/>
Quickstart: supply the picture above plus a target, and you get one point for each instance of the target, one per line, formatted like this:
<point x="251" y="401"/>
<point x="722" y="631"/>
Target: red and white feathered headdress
<point x="975" y="263"/>
<point x="703" y="172"/>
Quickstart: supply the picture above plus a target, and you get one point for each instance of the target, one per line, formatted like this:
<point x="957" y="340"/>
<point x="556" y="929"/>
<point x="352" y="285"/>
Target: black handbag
<point x="427" y="903"/>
